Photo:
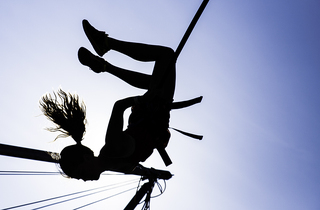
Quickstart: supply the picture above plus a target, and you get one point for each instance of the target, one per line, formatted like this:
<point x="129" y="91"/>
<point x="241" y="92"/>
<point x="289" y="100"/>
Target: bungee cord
<point x="11" y="173"/>
<point x="146" y="202"/>
<point x="41" y="207"/>
<point x="121" y="184"/>
<point x="160" y="188"/>
<point x="105" y="198"/>
<point x="26" y="173"/>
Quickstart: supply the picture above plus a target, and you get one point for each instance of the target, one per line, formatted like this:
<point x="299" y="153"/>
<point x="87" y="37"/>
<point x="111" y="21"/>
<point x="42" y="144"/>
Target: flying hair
<point x="66" y="112"/>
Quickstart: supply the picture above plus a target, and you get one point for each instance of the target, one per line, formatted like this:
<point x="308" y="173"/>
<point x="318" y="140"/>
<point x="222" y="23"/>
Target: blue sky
<point x="257" y="64"/>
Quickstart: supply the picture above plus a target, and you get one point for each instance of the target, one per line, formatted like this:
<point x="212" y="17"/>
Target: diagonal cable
<point x="84" y="191"/>
<point x="105" y="198"/>
<point x="11" y="173"/>
<point x="28" y="173"/>
<point x="63" y="201"/>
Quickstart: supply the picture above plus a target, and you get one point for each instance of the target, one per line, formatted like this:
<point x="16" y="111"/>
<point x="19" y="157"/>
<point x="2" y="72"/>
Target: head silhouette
<point x="69" y="116"/>
<point x="71" y="159"/>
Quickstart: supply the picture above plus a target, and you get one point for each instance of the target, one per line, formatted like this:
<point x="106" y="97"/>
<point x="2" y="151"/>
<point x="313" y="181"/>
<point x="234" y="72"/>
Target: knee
<point x="164" y="53"/>
<point x="168" y="52"/>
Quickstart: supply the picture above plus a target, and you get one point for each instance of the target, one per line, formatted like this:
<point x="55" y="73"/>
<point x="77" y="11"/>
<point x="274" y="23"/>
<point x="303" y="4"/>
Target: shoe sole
<point x="86" y="25"/>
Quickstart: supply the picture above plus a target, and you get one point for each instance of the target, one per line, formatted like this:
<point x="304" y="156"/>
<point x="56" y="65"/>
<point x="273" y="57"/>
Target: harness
<point x="151" y="120"/>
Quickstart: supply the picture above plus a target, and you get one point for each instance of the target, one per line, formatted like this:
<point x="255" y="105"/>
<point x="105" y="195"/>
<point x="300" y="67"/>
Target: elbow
<point x="118" y="105"/>
<point x="122" y="104"/>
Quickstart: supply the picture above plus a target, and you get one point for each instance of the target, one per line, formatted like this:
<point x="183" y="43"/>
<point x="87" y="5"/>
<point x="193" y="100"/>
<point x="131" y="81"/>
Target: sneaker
<point x="95" y="63"/>
<point x="96" y="38"/>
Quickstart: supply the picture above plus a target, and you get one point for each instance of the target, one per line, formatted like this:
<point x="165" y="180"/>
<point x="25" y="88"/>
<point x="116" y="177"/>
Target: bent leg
<point x="138" y="51"/>
<point x="163" y="69"/>
<point x="163" y="77"/>
<point x="136" y="79"/>
<point x="102" y="43"/>
<point x="164" y="73"/>
<point x="98" y="65"/>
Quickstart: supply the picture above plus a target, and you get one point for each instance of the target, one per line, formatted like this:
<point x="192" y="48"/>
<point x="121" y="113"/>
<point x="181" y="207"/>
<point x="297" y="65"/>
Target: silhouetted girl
<point x="148" y="122"/>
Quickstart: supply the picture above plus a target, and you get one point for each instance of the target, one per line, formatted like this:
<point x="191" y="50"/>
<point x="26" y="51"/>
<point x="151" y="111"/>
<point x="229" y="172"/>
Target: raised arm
<point x="116" y="120"/>
<point x="118" y="143"/>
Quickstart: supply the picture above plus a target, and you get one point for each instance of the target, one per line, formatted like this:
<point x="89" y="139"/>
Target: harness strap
<point x="184" y="104"/>
<point x="188" y="134"/>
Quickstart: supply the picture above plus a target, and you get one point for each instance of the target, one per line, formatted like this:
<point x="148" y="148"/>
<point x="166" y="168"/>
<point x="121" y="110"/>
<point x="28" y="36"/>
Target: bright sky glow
<point x="257" y="64"/>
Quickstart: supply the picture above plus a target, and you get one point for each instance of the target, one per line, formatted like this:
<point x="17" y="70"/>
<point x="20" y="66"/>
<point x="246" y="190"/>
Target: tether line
<point x="190" y="28"/>
<point x="62" y="196"/>
<point x="78" y="197"/>
<point x="2" y="173"/>
<point x="105" y="198"/>
<point x="26" y="173"/>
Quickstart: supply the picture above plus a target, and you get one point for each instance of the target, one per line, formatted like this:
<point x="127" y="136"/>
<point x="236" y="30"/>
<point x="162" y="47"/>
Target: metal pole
<point x="32" y="154"/>
<point x="139" y="195"/>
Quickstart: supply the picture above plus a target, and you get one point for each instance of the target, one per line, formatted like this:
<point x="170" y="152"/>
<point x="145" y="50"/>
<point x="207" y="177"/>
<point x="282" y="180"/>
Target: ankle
<point x="107" y="43"/>
<point x="108" y="67"/>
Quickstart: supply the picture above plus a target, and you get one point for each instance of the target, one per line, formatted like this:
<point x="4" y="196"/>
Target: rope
<point x="147" y="200"/>
<point x="11" y="173"/>
<point x="190" y="28"/>
<point x="28" y="173"/>
<point x="161" y="189"/>
<point x="85" y="191"/>
<point x="105" y="198"/>
<point x="79" y="197"/>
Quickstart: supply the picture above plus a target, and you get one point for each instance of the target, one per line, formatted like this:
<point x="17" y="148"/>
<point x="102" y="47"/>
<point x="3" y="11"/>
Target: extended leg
<point x="163" y="76"/>
<point x="142" y="52"/>
<point x="102" y="43"/>
<point x="139" y="51"/>
<point x="163" y="73"/>
<point x="97" y="64"/>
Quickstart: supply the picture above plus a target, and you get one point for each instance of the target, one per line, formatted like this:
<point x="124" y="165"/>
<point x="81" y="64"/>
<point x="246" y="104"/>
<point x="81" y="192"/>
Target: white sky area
<point x="257" y="64"/>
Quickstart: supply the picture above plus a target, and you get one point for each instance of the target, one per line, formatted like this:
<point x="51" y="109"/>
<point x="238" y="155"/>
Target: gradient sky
<point x="257" y="64"/>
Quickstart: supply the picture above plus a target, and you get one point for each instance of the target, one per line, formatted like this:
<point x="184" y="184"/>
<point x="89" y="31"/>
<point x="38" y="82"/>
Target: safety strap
<point x="184" y="104"/>
<point x="188" y="134"/>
